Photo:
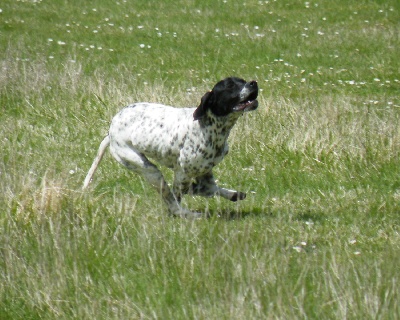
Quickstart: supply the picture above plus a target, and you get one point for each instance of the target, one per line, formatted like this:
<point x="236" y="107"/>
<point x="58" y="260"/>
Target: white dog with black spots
<point x="190" y="141"/>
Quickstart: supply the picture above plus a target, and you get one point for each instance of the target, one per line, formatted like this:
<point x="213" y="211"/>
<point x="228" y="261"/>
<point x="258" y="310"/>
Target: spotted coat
<point x="190" y="141"/>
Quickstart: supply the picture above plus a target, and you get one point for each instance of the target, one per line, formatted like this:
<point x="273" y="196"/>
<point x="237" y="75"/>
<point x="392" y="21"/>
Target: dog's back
<point x="155" y="130"/>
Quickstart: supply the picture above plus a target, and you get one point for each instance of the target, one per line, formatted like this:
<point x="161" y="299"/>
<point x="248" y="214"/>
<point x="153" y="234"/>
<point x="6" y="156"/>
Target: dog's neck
<point x="222" y="124"/>
<point x="218" y="128"/>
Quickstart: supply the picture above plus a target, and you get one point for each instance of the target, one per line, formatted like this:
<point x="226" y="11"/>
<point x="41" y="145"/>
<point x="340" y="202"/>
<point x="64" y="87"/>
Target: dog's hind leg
<point x="205" y="186"/>
<point x="138" y="163"/>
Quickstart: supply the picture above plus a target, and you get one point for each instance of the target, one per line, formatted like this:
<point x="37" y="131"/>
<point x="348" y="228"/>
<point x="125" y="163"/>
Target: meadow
<point x="318" y="236"/>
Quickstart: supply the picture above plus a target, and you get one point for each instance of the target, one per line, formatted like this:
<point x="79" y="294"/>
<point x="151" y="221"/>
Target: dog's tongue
<point x="242" y="106"/>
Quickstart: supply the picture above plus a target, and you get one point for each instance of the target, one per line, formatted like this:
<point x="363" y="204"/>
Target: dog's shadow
<point x="232" y="214"/>
<point x="257" y="212"/>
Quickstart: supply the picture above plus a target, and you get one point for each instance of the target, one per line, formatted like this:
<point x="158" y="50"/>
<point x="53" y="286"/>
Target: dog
<point x="190" y="141"/>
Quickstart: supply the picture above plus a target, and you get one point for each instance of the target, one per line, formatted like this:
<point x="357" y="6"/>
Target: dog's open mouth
<point x="249" y="104"/>
<point x="246" y="106"/>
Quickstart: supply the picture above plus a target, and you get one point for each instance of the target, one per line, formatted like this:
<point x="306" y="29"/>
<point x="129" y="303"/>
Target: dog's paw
<point x="238" y="196"/>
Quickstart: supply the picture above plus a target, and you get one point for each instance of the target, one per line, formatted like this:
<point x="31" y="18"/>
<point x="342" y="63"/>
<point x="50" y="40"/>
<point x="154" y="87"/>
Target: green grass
<point x="318" y="236"/>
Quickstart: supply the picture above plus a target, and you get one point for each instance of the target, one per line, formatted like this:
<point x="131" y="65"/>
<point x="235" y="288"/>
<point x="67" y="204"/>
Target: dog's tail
<point x="103" y="146"/>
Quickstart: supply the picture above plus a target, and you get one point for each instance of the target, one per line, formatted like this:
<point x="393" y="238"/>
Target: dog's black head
<point x="230" y="95"/>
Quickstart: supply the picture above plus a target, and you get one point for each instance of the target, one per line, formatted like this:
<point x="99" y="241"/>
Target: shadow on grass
<point x="310" y="216"/>
<point x="231" y="214"/>
<point x="265" y="213"/>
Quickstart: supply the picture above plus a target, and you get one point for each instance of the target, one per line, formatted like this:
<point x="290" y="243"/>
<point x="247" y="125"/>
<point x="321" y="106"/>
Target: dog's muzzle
<point x="248" y="95"/>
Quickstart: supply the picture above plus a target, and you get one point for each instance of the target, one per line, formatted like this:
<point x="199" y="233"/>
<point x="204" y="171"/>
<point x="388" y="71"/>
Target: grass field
<point x="318" y="236"/>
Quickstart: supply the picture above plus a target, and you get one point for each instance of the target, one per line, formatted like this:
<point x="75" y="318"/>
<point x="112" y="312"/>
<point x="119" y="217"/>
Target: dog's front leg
<point x="205" y="186"/>
<point x="141" y="165"/>
<point x="181" y="184"/>
<point x="170" y="198"/>
<point x="173" y="198"/>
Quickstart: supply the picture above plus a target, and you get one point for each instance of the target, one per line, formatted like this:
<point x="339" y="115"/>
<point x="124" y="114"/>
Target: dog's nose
<point x="253" y="83"/>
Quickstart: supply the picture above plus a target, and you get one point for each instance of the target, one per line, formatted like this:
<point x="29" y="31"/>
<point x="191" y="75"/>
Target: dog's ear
<point x="205" y="103"/>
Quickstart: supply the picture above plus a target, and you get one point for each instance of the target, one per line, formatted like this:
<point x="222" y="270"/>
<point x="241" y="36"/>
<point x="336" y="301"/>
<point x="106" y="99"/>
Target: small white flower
<point x="142" y="45"/>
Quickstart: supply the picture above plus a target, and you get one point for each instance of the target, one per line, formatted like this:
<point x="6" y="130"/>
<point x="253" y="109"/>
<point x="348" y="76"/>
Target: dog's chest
<point x="202" y="149"/>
